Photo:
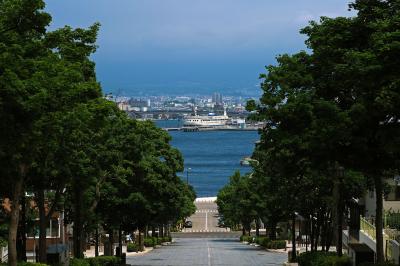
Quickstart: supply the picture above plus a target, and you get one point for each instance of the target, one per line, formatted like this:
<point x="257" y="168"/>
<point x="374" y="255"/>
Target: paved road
<point x="205" y="219"/>
<point x="208" y="252"/>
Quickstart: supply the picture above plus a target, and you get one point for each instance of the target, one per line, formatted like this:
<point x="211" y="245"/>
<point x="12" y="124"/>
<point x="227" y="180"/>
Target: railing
<point x="3" y="254"/>
<point x="389" y="253"/>
<point x="367" y="227"/>
<point x="389" y="234"/>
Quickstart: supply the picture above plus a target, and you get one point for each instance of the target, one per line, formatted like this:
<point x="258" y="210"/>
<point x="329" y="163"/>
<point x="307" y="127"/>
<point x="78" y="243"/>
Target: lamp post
<point x="187" y="175"/>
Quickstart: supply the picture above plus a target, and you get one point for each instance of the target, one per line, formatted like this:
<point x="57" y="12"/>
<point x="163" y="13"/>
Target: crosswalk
<point x="218" y="230"/>
<point x="205" y="210"/>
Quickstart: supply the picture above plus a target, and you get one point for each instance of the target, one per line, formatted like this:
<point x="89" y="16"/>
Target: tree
<point x="22" y="28"/>
<point x="356" y="67"/>
<point x="235" y="202"/>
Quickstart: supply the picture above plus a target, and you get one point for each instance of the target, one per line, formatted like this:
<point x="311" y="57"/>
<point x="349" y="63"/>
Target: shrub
<point x="157" y="240"/>
<point x="79" y="262"/>
<point x="264" y="241"/>
<point x="249" y="239"/>
<point x="104" y="261"/>
<point x="132" y="247"/>
<point x="167" y="239"/>
<point x="275" y="244"/>
<point x="149" y="242"/>
<point x="377" y="264"/>
<point x="321" y="258"/>
<point x="3" y="242"/>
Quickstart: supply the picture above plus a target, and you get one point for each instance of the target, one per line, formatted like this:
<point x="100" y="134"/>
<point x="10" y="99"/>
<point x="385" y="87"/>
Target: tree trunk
<point x="317" y="233"/>
<point x="272" y="230"/>
<point x="43" y="222"/>
<point x="294" y="238"/>
<point x="257" y="227"/>
<point x="243" y="231"/>
<point x="153" y="231"/>
<point x="379" y="219"/>
<point x="14" y="217"/>
<point x="96" y="248"/>
<point x="141" y="246"/>
<point x="21" y="247"/>
<point x="312" y="232"/>
<point x="330" y="231"/>
<point x="120" y="241"/>
<point x="323" y="232"/>
<point x="161" y="230"/>
<point x="78" y="223"/>
<point x="340" y="210"/>
<point x="111" y="242"/>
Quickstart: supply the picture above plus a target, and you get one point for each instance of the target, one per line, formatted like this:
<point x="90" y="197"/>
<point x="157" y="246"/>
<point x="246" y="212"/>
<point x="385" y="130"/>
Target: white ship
<point x="204" y="121"/>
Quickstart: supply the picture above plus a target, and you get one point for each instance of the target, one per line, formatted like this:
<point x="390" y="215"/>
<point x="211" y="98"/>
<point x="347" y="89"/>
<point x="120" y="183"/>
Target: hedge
<point x="167" y="239"/>
<point x="249" y="239"/>
<point x="322" y="258"/>
<point x="132" y="247"/>
<point x="79" y="262"/>
<point x="104" y="261"/>
<point x="377" y="264"/>
<point x="149" y="242"/>
<point x="153" y="241"/>
<point x="262" y="241"/>
<point x="275" y="244"/>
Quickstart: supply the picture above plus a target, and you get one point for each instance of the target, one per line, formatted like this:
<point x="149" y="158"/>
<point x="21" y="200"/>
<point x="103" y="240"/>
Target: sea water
<point x="212" y="156"/>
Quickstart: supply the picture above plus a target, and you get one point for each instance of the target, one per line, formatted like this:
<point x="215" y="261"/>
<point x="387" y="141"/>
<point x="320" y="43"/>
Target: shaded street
<point x="208" y="252"/>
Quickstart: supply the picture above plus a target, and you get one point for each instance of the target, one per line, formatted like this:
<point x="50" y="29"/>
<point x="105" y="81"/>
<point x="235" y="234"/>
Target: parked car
<point x="221" y="222"/>
<point x="188" y="224"/>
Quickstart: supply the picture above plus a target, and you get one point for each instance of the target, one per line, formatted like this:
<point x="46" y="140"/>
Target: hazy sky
<point x="149" y="46"/>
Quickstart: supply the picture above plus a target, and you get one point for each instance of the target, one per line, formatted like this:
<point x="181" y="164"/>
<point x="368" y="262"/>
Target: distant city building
<point x="139" y="105"/>
<point x="217" y="98"/>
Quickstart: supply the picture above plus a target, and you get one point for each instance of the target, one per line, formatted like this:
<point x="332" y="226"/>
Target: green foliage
<point x="378" y="264"/>
<point x="3" y="242"/>
<point x="132" y="247"/>
<point x="235" y="201"/>
<point x="78" y="262"/>
<point x="62" y="134"/>
<point x="251" y="105"/>
<point x="264" y="241"/>
<point x="248" y="239"/>
<point x="275" y="244"/>
<point x="104" y="261"/>
<point x="167" y="239"/>
<point x="150" y="242"/>
<point x="322" y="258"/>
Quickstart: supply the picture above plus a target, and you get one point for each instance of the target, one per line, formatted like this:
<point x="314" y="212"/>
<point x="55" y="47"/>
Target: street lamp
<point x="187" y="175"/>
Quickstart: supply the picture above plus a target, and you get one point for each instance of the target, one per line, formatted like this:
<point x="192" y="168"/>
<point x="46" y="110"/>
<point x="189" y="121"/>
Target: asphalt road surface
<point x="205" y="219"/>
<point x="208" y="252"/>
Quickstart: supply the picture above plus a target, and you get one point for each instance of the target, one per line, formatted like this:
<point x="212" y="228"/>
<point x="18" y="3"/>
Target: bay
<point x="212" y="156"/>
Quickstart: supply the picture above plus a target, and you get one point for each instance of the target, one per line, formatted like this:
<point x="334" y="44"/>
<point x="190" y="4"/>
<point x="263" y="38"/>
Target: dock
<point x="219" y="128"/>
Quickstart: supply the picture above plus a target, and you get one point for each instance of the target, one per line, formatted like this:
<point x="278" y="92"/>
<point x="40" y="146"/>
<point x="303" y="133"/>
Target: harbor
<point x="217" y="128"/>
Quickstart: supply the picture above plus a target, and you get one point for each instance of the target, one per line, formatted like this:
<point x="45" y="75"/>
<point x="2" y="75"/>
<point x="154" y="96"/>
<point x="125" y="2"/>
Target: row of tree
<point x="332" y="125"/>
<point x="70" y="147"/>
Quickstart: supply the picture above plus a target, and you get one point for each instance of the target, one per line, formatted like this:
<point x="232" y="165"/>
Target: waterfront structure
<point x="210" y="120"/>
